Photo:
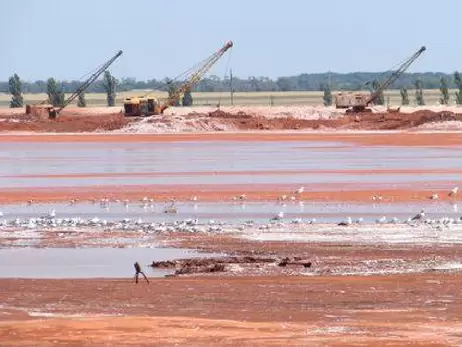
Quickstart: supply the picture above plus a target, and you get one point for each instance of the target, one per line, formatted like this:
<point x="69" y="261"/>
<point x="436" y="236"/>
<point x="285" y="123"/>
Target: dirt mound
<point x="395" y="120"/>
<point x="223" y="121"/>
<point x="65" y="123"/>
<point x="392" y="120"/>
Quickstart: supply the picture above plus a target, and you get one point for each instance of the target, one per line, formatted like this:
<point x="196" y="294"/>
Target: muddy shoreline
<point x="394" y="138"/>
<point x="254" y="301"/>
<point x="230" y="193"/>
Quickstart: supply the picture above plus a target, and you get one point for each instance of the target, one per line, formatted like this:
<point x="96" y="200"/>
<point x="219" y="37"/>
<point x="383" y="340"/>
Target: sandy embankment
<point x="231" y="119"/>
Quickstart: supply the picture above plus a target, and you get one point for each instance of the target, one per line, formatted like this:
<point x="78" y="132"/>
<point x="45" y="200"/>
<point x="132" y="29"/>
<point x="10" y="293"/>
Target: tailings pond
<point x="228" y="163"/>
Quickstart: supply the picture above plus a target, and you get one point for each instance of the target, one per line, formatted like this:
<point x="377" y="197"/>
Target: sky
<point x="163" y="38"/>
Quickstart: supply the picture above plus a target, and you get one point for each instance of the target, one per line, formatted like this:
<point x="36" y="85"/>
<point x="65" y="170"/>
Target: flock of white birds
<point x="51" y="220"/>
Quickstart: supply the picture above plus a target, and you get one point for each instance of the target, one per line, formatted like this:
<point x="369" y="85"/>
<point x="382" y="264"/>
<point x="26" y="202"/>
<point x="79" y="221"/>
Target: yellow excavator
<point x="148" y="106"/>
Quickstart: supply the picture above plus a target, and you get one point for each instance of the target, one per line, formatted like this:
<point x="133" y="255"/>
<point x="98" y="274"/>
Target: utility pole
<point x="232" y="88"/>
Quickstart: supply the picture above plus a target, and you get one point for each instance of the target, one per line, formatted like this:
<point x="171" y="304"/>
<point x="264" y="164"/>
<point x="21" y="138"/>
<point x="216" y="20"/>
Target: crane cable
<point x="184" y="76"/>
<point x="91" y="72"/>
<point x="392" y="70"/>
<point x="226" y="71"/>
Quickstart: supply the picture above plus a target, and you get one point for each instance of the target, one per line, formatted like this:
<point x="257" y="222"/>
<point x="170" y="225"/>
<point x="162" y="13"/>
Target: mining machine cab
<point x="141" y="106"/>
<point x="350" y="99"/>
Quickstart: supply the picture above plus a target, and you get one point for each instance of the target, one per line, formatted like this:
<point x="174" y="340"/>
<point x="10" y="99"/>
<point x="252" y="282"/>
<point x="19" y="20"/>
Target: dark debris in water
<point x="211" y="265"/>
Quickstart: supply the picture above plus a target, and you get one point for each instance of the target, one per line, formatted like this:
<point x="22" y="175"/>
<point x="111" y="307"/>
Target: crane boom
<point x="196" y="76"/>
<point x="89" y="81"/>
<point x="395" y="75"/>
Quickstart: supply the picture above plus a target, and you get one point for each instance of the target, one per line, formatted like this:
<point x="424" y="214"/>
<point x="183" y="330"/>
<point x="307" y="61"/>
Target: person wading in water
<point x="138" y="272"/>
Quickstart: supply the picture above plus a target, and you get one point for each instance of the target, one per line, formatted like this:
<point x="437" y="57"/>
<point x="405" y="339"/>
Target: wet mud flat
<point x="390" y="310"/>
<point x="366" y="285"/>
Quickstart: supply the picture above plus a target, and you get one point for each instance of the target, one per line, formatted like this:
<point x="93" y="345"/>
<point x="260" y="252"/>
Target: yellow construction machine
<point x="147" y="106"/>
<point x="356" y="102"/>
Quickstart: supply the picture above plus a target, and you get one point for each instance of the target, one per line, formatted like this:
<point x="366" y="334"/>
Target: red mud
<point x="364" y="121"/>
<point x="264" y="310"/>
<point x="421" y="310"/>
<point x="65" y="123"/>
<point x="214" y="193"/>
<point x="375" y="139"/>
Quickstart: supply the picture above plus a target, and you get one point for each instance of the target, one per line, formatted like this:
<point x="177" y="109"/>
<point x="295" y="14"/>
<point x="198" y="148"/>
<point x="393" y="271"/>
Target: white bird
<point x="193" y="198"/>
<point x="419" y="215"/>
<point x="299" y="190"/>
<point x="434" y="196"/>
<point x="52" y="213"/>
<point x="381" y="220"/>
<point x="454" y="191"/>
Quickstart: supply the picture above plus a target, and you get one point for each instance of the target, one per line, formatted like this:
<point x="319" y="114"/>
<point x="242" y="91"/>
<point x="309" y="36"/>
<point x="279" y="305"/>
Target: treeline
<point x="56" y="92"/>
<point x="303" y="82"/>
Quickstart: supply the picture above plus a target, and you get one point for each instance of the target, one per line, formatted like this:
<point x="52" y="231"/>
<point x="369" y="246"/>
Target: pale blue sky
<point x="66" y="39"/>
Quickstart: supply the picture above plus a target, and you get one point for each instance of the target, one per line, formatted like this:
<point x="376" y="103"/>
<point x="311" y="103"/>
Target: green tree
<point x="15" y="88"/>
<point x="419" y="99"/>
<point x="109" y="84"/>
<point x="458" y="83"/>
<point x="187" y="98"/>
<point x="444" y="99"/>
<point x="55" y="95"/>
<point x="404" y="96"/>
<point x="327" y="97"/>
<point x="380" y="99"/>
<point x="81" y="101"/>
<point x="171" y="88"/>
